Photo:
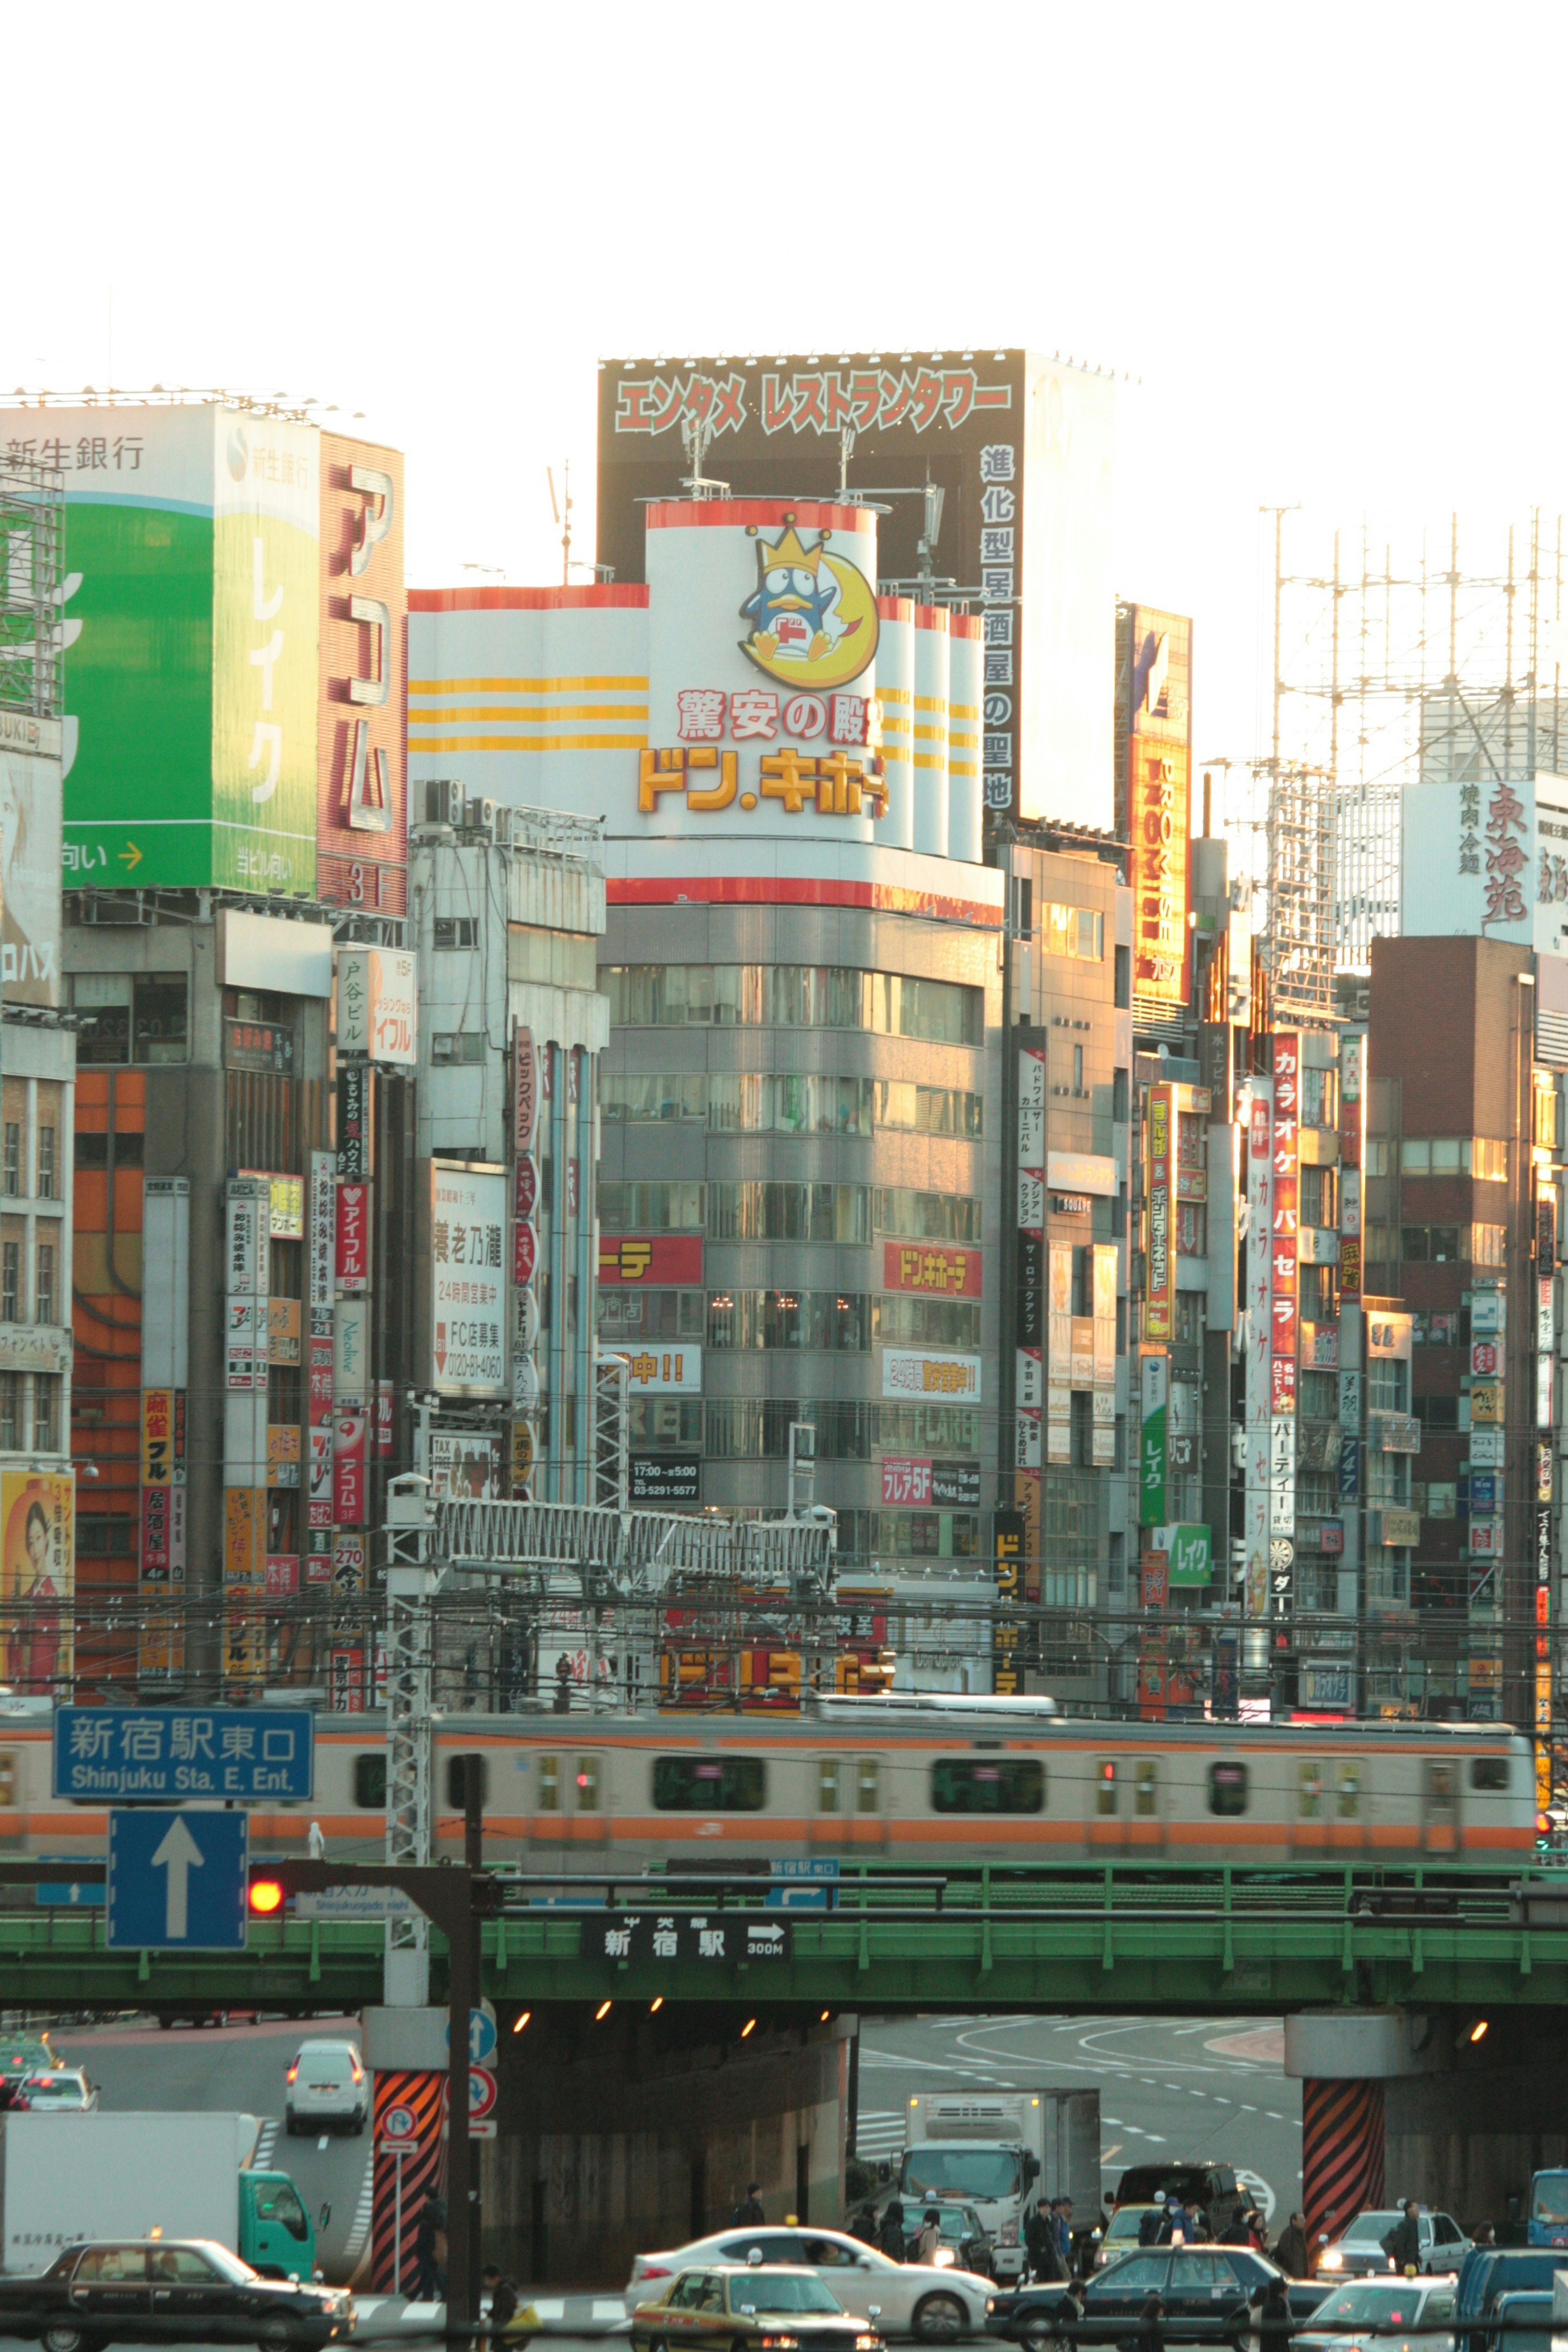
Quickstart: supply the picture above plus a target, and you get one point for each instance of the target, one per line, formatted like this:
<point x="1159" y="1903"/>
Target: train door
<point x="1109" y="1801"/>
<point x="1313" y="1802"/>
<point x="1440" y="1804"/>
<point x="569" y="1801"/>
<point x="1126" y="1803"/>
<point x="850" y="1802"/>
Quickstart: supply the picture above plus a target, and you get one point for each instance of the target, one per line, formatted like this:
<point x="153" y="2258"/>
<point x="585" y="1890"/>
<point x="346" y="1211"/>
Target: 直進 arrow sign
<point x="176" y="1879"/>
<point x="178" y="1855"/>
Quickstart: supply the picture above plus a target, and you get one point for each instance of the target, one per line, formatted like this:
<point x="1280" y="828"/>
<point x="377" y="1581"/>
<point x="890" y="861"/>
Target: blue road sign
<point x="177" y="1881"/>
<point x="173" y="1755"/>
<point x="67" y="1891"/>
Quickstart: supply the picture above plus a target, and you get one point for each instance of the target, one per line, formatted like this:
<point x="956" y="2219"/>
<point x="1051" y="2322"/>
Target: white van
<point x="327" y="2085"/>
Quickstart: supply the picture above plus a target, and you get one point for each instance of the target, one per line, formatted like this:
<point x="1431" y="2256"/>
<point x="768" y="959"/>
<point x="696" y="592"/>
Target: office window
<point x="1078" y="1069"/>
<point x="47" y="1164"/>
<point x="13" y="1158"/>
<point x="1072" y="932"/>
<point x="43" y="1286"/>
<point x="10" y="1282"/>
<point x="45" y="1412"/>
<point x="653" y="1208"/>
<point x="10" y="1411"/>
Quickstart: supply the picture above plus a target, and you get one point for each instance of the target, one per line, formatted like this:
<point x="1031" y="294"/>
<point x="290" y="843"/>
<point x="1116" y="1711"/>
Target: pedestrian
<point x="1062" y="2206"/>
<point x="1274" y="2315"/>
<point x="930" y="2236"/>
<point x="748" y="2214"/>
<point x="1291" y="2254"/>
<point x="890" y="2237"/>
<point x="1195" y="2229"/>
<point x="1257" y="2235"/>
<point x="1171" y="2232"/>
<point x="1150" y="2336"/>
<point x="1150" y="2226"/>
<point x="430" y="2253"/>
<point x="1484" y="2233"/>
<point x="1045" y="2263"/>
<point x="502" y="2296"/>
<point x="1403" y="2243"/>
<point x="863" y="2225"/>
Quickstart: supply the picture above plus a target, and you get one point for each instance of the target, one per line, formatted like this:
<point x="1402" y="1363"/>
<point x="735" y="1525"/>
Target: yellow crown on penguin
<point x="787" y="549"/>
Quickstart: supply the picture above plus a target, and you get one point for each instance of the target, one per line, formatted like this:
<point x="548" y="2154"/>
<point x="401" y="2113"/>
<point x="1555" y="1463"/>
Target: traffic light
<point x="264" y="1898"/>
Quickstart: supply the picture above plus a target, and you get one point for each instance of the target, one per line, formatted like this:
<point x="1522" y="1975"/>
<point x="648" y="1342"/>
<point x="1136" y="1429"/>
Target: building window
<point x="456" y="931"/>
<point x="461" y="1048"/>
<point x="1078" y="1069"/>
<point x="653" y="1208"/>
<point x="927" y="1216"/>
<point x="46" y="1413"/>
<point x="10" y="1282"/>
<point x="43" y="1286"/>
<point x="12" y="1159"/>
<point x="769" y="1212"/>
<point x="792" y="996"/>
<point x="10" y="1411"/>
<point x="1075" y="931"/>
<point x="47" y="1164"/>
<point x="122" y="1018"/>
<point x="1489" y="1245"/>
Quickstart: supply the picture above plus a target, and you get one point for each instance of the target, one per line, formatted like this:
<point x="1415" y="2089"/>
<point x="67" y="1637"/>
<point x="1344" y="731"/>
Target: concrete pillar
<point x="405" y="2050"/>
<point x="1342" y="2058"/>
<point x="1342" y="2154"/>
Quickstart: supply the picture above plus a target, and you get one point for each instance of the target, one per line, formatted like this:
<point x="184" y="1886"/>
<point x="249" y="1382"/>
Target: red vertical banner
<point x="1282" y="1274"/>
<point x="407" y="2169"/>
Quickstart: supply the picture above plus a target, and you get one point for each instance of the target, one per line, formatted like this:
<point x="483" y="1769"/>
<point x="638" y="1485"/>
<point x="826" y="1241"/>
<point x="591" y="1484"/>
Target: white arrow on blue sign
<point x="481" y="2033"/>
<point x="176" y="1881"/>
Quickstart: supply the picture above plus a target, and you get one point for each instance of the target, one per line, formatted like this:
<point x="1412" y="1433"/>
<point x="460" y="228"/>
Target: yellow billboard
<point x="38" y="1578"/>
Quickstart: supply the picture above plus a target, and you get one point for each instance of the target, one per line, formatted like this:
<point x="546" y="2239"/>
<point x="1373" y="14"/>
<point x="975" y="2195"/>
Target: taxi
<point x="754" y="2307"/>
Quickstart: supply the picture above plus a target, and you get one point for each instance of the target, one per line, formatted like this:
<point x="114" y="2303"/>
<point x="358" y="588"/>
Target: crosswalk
<point x="266" y="2145"/>
<point x="878" y="2132"/>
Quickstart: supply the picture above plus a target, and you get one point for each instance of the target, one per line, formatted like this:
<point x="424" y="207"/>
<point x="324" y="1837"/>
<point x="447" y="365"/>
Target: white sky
<point x="1325" y="242"/>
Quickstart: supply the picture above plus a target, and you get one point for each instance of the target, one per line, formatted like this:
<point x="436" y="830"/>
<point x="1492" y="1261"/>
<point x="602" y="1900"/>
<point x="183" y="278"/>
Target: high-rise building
<point x="37" y="1073"/>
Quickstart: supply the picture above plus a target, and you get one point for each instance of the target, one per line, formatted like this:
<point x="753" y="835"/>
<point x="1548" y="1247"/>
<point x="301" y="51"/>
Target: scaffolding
<point x="1391" y="665"/>
<point x="32" y="581"/>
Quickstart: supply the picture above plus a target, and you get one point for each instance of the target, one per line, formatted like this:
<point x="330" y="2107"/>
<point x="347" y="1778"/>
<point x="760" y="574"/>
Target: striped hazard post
<point x="1342" y="2154"/>
<point x="409" y="2168"/>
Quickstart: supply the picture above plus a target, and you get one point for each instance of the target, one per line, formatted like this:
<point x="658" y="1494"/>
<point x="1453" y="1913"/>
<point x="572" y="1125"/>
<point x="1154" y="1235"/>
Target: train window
<point x="1349" y="1807"/>
<point x="550" y="1785"/>
<point x="1105" y="1789"/>
<point x="1441" y="1790"/>
<point x="709" y="1784"/>
<point x="586" y="1784"/>
<point x="1310" y="1792"/>
<point x="1147" y="1789"/>
<point x="1228" y="1788"/>
<point x="827" y="1772"/>
<point x="868" y="1785"/>
<point x="1012" y="1784"/>
<point x="1488" y="1772"/>
<point x="456" y="1765"/>
<point x="371" y="1783"/>
<point x="8" y="1776"/>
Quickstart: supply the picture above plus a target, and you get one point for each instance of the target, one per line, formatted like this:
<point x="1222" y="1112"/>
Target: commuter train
<point x="919" y="1785"/>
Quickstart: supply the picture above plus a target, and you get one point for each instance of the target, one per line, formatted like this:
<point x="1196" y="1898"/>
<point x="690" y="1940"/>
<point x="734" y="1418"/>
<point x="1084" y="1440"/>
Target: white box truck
<point x="69" y="2176"/>
<point x="1003" y="2152"/>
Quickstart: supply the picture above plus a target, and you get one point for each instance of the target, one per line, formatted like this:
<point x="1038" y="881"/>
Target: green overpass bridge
<point x="1124" y="1936"/>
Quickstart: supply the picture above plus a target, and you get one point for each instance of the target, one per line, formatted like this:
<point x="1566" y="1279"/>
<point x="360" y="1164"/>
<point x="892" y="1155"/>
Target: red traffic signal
<point x="265" y="1896"/>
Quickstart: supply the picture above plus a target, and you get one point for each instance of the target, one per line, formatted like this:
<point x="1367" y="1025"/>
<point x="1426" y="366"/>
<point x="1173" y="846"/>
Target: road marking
<point x="266" y="2145"/>
<point x="359" y="2229"/>
<point x="1273" y="2118"/>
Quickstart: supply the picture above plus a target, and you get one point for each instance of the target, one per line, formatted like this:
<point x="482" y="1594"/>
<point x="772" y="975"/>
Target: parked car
<point x="1119" y="2234"/>
<point x="911" y="2298"/>
<point x="1489" y="2272"/>
<point x="1360" y="2250"/>
<point x="1358" y="2318"/>
<point x="1204" y="2289"/>
<point x="327" y="2085"/>
<point x="767" y="2304"/>
<point x="150" y="2290"/>
<point x="1213" y="2188"/>
<point x="65" y="2090"/>
<point x="966" y="2242"/>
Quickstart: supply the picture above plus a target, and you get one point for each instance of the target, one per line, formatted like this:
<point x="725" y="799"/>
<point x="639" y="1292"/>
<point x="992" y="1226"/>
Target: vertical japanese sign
<point x="468" y="1220"/>
<point x="1159" y="1151"/>
<point x="362" y="795"/>
<point x="1007" y="1622"/>
<point x="353" y="1264"/>
<point x="1283" y="1271"/>
<point x="1032" y="1407"/>
<point x="320" y="1273"/>
<point x="1153" y="1387"/>
<point x="1351" y="1068"/>
<point x="524" y="1234"/>
<point x="165" y="1358"/>
<point x="1258" y="1145"/>
<point x="1158" y="665"/>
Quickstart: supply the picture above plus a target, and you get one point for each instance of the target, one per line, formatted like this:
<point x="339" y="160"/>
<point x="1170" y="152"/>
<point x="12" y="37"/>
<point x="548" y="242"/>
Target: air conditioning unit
<point x="482" y="816"/>
<point x="504" y="826"/>
<point x="443" y="801"/>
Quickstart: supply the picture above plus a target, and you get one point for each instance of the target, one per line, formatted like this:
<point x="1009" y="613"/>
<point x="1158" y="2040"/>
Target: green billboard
<point x="191" y="619"/>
